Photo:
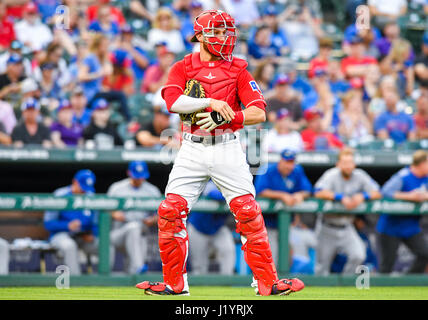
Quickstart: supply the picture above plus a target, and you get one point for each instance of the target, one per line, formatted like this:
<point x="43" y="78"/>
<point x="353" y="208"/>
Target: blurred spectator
<point x="371" y="85"/>
<point x="394" y="124"/>
<point x="10" y="80"/>
<point x="30" y="131"/>
<point x="324" y="99"/>
<point x="285" y="97"/>
<point x="181" y="8"/>
<point x="391" y="32"/>
<point x="276" y="5"/>
<point x="7" y="31"/>
<point x="383" y="11"/>
<point x="4" y="257"/>
<point x="321" y="61"/>
<point x="377" y="104"/>
<point x="129" y="228"/>
<point x="357" y="64"/>
<point x="95" y="66"/>
<point x="15" y="48"/>
<point x="78" y="101"/>
<point x="76" y="62"/>
<point x="338" y="84"/>
<point x="421" y="63"/>
<point x="101" y="132"/>
<point x="210" y="233"/>
<point x="408" y="184"/>
<point x="121" y="79"/>
<point x="186" y="29"/>
<point x="47" y="9"/>
<point x="70" y="230"/>
<point x="285" y="181"/>
<point x="263" y="75"/>
<point x="245" y="12"/>
<point x="165" y="29"/>
<point x="139" y="57"/>
<point x="354" y="124"/>
<point x="49" y="87"/>
<point x="150" y="133"/>
<point x="65" y="132"/>
<point x="336" y="232"/>
<point x="421" y="117"/>
<point x="398" y="64"/>
<point x="116" y="15"/>
<point x="54" y="55"/>
<point x="314" y="137"/>
<point x="7" y="117"/>
<point x="303" y="28"/>
<point x="5" y="138"/>
<point x="157" y="74"/>
<point x="29" y="89"/>
<point x="303" y="242"/>
<point x="369" y="37"/>
<point x="270" y="19"/>
<point x="283" y="135"/>
<point x="105" y="23"/>
<point x="138" y="8"/>
<point x="262" y="47"/>
<point x="31" y="31"/>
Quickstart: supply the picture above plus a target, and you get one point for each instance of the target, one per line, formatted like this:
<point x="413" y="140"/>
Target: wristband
<point x="338" y="196"/>
<point x="239" y="118"/>
<point x="366" y="195"/>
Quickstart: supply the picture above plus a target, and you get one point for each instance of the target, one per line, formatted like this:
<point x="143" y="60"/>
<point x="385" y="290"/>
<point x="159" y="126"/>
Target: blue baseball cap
<point x="64" y="104"/>
<point x="270" y="11"/>
<point x="14" y="58"/>
<point x="282" y="79"/>
<point x="30" y="103"/>
<point x="16" y="45"/>
<point x="100" y="104"/>
<point x="138" y="170"/>
<point x="127" y="28"/>
<point x="86" y="180"/>
<point x="282" y="113"/>
<point x="288" y="155"/>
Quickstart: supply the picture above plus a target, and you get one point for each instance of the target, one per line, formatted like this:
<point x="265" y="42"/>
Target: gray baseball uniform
<point x="336" y="232"/>
<point x="4" y="257"/>
<point x="128" y="236"/>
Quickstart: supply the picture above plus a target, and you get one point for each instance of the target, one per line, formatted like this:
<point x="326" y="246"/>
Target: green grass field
<point x="212" y="293"/>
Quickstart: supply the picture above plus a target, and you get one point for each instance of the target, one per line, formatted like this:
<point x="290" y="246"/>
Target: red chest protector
<point x="219" y="79"/>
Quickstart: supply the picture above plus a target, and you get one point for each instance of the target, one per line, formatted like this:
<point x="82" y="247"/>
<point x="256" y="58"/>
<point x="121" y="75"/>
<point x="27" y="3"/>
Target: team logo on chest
<point x="210" y="76"/>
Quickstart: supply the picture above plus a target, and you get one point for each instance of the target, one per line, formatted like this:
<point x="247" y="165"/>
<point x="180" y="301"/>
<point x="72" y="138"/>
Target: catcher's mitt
<point x="193" y="89"/>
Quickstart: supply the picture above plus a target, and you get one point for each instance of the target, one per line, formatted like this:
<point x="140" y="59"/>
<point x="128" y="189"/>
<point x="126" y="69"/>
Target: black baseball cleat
<point x="284" y="287"/>
<point x="159" y="289"/>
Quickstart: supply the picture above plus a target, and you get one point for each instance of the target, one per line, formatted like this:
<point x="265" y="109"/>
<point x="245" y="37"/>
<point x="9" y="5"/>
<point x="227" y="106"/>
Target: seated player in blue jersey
<point x="208" y="232"/>
<point x="409" y="184"/>
<point x="71" y="230"/>
<point x="285" y="181"/>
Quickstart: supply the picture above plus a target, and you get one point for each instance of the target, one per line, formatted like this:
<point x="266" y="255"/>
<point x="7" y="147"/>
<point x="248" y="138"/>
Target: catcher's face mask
<point x="219" y="32"/>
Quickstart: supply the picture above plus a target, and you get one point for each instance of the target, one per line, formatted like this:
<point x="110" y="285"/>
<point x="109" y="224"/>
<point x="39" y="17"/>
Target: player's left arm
<point x="252" y="98"/>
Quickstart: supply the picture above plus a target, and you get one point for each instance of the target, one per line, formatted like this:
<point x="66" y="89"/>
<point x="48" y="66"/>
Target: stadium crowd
<point x="89" y="74"/>
<point x="81" y="74"/>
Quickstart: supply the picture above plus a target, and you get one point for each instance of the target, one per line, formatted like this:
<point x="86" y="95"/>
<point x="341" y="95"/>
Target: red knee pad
<point x="173" y="250"/>
<point x="257" y="252"/>
<point x="171" y="211"/>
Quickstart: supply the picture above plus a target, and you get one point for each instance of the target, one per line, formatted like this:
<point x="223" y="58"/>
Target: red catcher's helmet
<point x="207" y="22"/>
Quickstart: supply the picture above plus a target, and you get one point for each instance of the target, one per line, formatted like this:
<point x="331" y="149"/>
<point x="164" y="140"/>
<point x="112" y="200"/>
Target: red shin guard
<point x="173" y="249"/>
<point x="257" y="252"/>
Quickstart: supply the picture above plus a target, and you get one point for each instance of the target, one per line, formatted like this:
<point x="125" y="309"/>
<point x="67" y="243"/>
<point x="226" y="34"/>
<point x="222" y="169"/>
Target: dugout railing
<point x="105" y="204"/>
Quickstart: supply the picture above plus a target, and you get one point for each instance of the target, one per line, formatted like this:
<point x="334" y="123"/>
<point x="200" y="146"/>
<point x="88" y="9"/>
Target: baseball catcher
<point x="207" y="89"/>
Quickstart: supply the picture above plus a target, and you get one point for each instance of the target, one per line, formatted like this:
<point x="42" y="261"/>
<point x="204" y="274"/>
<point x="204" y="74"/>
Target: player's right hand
<point x="74" y="225"/>
<point x="223" y="108"/>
